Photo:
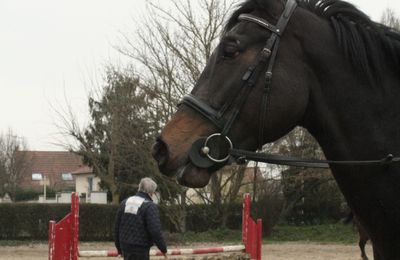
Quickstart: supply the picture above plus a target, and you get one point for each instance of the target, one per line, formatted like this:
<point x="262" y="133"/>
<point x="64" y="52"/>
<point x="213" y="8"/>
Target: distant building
<point x="55" y="167"/>
<point x="87" y="185"/>
<point x="63" y="172"/>
<point x="5" y="199"/>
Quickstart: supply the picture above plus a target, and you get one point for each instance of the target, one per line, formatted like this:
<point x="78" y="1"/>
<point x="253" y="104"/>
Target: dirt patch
<point x="312" y="251"/>
<point x="282" y="251"/>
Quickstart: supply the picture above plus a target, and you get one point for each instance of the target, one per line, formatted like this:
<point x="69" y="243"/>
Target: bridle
<point x="214" y="151"/>
<point x="201" y="153"/>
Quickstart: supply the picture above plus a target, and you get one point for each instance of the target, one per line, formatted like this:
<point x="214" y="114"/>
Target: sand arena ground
<point x="281" y="251"/>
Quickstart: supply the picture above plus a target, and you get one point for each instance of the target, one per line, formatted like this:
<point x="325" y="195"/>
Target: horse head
<point x="232" y="91"/>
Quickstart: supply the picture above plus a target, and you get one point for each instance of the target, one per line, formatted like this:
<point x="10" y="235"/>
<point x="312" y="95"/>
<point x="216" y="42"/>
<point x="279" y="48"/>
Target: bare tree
<point x="169" y="50"/>
<point x="13" y="162"/>
<point x="171" y="47"/>
<point x="390" y="19"/>
<point x="223" y="190"/>
<point x="300" y="185"/>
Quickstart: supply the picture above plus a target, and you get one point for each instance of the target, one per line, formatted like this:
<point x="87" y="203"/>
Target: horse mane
<point x="371" y="47"/>
<point x="368" y="45"/>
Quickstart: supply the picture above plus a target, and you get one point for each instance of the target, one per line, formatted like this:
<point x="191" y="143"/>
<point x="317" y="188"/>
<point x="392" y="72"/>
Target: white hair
<point x="147" y="185"/>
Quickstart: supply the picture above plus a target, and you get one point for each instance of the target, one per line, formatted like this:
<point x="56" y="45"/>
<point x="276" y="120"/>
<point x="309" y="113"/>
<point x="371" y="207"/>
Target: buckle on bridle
<point x="265" y="53"/>
<point x="206" y="150"/>
<point x="211" y="152"/>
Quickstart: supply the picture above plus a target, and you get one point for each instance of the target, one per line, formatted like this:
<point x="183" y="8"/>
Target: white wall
<point x="82" y="185"/>
<point x="98" y="197"/>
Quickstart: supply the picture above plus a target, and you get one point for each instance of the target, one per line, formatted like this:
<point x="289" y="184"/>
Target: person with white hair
<point x="137" y="225"/>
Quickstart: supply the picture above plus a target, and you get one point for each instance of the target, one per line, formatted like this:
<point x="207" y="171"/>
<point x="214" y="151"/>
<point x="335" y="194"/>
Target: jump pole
<point x="63" y="238"/>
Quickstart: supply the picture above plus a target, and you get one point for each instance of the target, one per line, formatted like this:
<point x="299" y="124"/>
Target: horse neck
<point x="346" y="112"/>
<point x="348" y="116"/>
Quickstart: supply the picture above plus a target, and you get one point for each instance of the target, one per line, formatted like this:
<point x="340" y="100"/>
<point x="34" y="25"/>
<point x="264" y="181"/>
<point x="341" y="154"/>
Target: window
<point x="36" y="176"/>
<point x="67" y="176"/>
<point x="90" y="184"/>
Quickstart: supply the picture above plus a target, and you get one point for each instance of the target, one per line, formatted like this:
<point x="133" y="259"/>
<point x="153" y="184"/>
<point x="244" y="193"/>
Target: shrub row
<point x="25" y="195"/>
<point x="30" y="221"/>
<point x="96" y="222"/>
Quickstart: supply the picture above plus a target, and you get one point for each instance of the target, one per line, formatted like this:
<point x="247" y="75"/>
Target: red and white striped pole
<point x="183" y="251"/>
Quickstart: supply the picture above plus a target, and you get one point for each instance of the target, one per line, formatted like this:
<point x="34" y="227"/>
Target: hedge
<point x="202" y="217"/>
<point x="30" y="221"/>
<point x="96" y="222"/>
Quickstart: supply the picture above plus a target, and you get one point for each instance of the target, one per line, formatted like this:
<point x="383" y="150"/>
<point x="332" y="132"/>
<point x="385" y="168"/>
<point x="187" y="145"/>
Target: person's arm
<point x="154" y="227"/>
<point x="116" y="229"/>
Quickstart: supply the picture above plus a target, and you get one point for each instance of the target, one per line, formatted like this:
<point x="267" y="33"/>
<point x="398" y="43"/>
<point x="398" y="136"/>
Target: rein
<point x="242" y="156"/>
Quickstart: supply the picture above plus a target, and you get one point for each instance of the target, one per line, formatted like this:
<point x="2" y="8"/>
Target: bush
<point x="28" y="221"/>
<point x="202" y="217"/>
<point x="26" y="195"/>
<point x="96" y="222"/>
<point x="268" y="208"/>
<point x="269" y="204"/>
<point x="322" y="204"/>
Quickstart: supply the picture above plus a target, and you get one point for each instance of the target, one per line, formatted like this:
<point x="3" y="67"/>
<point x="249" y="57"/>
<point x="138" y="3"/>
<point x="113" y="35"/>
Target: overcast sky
<point x="51" y="51"/>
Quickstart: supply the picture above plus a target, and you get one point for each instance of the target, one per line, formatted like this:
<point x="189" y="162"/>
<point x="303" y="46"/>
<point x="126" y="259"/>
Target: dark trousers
<point x="136" y="256"/>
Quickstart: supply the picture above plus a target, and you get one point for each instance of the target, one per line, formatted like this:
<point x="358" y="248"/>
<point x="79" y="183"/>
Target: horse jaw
<point x="193" y="177"/>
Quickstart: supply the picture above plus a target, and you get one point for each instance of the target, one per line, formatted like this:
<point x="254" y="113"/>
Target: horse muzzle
<point x="211" y="152"/>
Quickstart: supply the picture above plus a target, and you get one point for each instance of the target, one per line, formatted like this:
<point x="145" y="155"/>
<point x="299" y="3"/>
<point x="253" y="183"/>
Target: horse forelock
<point x="371" y="47"/>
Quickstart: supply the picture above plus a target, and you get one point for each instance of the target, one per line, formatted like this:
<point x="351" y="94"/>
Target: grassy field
<point x="328" y="233"/>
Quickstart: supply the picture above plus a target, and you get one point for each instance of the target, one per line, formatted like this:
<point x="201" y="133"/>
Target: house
<point x="87" y="185"/>
<point x="62" y="172"/>
<point x="252" y="175"/>
<point x="5" y="199"/>
<point x="51" y="167"/>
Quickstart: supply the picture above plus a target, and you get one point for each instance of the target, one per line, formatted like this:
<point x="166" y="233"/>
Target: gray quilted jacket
<point x="137" y="225"/>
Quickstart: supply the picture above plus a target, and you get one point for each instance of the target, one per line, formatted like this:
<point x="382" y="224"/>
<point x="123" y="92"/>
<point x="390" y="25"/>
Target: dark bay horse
<point x="362" y="234"/>
<point x="362" y="239"/>
<point x="322" y="65"/>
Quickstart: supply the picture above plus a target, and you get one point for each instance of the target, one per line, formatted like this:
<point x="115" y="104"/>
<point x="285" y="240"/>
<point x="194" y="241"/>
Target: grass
<point x="212" y="236"/>
<point x="327" y="233"/>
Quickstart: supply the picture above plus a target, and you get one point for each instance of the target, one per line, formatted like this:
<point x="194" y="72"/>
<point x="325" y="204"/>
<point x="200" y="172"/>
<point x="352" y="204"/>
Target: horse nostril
<point x="160" y="153"/>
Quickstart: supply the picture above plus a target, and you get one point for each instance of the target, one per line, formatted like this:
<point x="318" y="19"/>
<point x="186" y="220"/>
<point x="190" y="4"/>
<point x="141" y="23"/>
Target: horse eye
<point x="230" y="49"/>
